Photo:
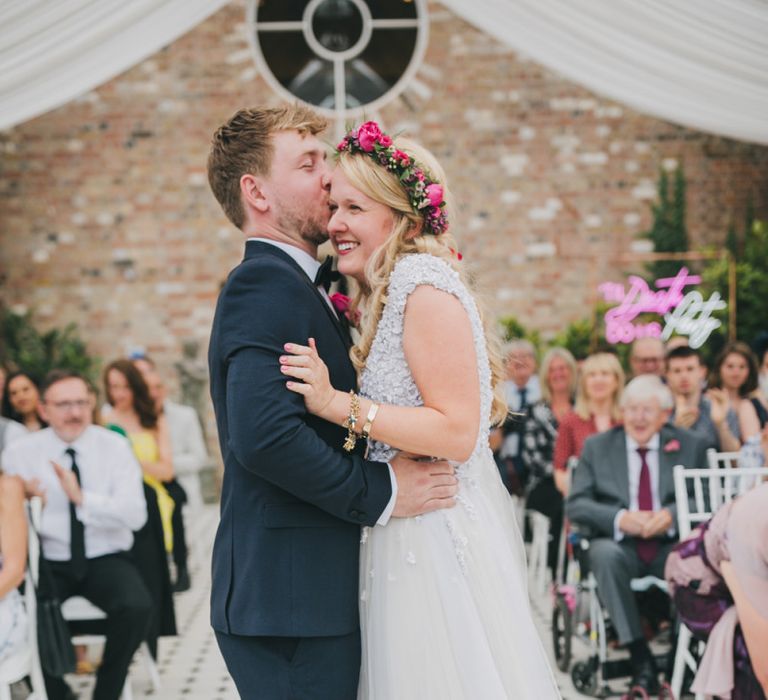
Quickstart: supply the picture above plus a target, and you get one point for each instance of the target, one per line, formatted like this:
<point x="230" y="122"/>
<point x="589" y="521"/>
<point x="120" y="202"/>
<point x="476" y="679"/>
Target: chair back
<point x="699" y="493"/>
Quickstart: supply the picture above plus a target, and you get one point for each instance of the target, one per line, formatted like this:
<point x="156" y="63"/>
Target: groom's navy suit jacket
<point x="285" y="557"/>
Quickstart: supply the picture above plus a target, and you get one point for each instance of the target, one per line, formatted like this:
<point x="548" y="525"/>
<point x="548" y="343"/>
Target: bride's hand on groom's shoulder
<point x="303" y="363"/>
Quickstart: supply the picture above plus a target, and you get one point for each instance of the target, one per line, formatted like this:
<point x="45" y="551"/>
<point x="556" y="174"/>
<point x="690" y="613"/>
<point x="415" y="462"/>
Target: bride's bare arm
<point x="440" y="351"/>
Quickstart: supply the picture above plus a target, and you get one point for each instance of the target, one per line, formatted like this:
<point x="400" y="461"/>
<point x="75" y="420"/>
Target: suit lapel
<point x="667" y="462"/>
<point x="254" y="248"/>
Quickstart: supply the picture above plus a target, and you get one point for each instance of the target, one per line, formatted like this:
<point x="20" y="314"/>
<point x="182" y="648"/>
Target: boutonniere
<point x="342" y="303"/>
<point x="672" y="446"/>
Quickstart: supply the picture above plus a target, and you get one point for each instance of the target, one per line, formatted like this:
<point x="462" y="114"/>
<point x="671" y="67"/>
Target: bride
<point x="443" y="599"/>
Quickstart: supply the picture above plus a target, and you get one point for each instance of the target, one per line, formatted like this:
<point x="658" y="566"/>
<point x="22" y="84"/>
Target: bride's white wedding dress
<point x="443" y="597"/>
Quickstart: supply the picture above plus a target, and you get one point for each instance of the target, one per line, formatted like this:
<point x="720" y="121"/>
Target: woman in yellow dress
<point x="132" y="409"/>
<point x="132" y="412"/>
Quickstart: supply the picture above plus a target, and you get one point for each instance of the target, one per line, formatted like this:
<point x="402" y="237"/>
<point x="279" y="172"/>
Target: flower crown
<point x="424" y="194"/>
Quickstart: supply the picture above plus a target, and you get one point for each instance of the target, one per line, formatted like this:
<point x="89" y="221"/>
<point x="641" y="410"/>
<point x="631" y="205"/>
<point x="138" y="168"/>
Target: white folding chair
<point x="27" y="661"/>
<point x="710" y="489"/>
<point x="78" y="609"/>
<point x="537" y="559"/>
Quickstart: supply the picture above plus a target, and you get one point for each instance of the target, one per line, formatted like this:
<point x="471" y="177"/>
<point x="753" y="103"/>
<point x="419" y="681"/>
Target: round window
<point x="338" y="55"/>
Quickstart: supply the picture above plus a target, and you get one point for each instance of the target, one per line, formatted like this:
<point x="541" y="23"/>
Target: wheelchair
<point x="579" y="617"/>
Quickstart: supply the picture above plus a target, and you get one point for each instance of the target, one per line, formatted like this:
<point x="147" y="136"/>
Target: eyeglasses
<point x="81" y="404"/>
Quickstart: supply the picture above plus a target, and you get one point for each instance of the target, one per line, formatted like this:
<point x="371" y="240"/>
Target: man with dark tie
<point x="522" y="390"/>
<point x="92" y="488"/>
<point x="623" y="497"/>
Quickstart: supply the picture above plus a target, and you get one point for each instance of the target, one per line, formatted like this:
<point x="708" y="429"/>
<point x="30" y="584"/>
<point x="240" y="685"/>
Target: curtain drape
<point x="52" y="51"/>
<point x="699" y="63"/>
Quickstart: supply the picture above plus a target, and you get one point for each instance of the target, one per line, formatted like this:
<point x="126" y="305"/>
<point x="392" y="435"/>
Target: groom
<point x="284" y="600"/>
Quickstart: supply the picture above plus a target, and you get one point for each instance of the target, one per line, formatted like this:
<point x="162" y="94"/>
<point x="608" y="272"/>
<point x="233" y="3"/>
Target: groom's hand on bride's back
<point x="423" y="486"/>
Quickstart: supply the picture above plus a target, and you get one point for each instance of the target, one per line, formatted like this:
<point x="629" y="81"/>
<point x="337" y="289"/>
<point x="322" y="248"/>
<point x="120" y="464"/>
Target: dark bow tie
<point x="325" y="274"/>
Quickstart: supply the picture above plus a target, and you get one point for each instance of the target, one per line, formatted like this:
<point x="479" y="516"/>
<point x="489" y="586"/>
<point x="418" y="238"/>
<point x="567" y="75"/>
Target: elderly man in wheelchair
<point x="623" y="496"/>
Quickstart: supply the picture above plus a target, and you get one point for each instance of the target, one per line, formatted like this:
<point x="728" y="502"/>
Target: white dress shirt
<point x="310" y="266"/>
<point x="634" y="464"/>
<point x="113" y="504"/>
<point x="13" y="431"/>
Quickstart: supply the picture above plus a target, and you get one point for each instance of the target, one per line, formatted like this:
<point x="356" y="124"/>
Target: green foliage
<point x="23" y="347"/>
<point x="578" y="337"/>
<point x="512" y="329"/>
<point x="668" y="231"/>
<point x="751" y="284"/>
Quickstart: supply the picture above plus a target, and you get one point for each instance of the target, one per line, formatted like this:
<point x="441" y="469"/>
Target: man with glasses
<point x="647" y="357"/>
<point x="92" y="487"/>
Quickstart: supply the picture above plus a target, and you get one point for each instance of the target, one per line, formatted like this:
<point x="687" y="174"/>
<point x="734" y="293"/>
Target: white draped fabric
<point x="52" y="51"/>
<point x="699" y="63"/>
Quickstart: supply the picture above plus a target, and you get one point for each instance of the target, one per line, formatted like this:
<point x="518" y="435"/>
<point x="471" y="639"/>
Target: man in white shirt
<point x="92" y="487"/>
<point x="10" y="430"/>
<point x="623" y="496"/>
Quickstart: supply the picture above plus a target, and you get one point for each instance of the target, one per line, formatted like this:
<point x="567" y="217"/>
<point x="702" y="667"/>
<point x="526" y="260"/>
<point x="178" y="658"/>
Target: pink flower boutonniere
<point x="341" y="302"/>
<point x="672" y="446"/>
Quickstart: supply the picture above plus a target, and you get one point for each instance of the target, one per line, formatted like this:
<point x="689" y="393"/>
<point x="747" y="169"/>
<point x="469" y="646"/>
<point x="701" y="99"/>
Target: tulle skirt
<point x="444" y="603"/>
<point x="13" y="624"/>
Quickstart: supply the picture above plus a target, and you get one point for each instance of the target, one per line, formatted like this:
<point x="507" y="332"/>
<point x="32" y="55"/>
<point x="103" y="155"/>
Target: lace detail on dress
<point x="387" y="377"/>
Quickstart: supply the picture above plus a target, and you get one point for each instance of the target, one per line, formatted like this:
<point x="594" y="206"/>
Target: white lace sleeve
<point x="387" y="377"/>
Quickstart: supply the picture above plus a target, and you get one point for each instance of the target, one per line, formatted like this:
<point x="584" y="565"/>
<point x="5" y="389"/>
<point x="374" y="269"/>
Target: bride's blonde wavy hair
<point x="406" y="238"/>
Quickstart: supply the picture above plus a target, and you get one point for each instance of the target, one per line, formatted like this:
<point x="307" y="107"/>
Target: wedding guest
<point x="522" y="390"/>
<point x="709" y="415"/>
<point x="91" y="483"/>
<point x="13" y="562"/>
<point x="647" y="357"/>
<point x="727" y="560"/>
<point x="21" y="401"/>
<point x="557" y="378"/>
<point x="9" y="431"/>
<point x="736" y="372"/>
<point x="3" y="376"/>
<point x="623" y="497"/>
<point x="133" y="414"/>
<point x="596" y="410"/>
<point x="186" y="443"/>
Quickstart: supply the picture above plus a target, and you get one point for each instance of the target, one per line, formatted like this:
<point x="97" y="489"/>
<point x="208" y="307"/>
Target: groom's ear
<point x="251" y="190"/>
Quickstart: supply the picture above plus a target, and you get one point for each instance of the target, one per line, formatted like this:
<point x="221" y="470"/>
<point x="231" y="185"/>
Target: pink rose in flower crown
<point x="385" y="140"/>
<point x="342" y="144"/>
<point x="400" y="157"/>
<point x="434" y="193"/>
<point x="368" y="134"/>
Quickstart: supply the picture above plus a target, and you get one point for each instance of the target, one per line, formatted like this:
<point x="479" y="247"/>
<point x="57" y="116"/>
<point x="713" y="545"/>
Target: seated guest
<point x="595" y="411"/>
<point x="21" y="400"/>
<point x="91" y="483"/>
<point x="736" y="373"/>
<point x="558" y="384"/>
<point x="710" y="416"/>
<point x="521" y="389"/>
<point x="623" y="496"/>
<point x="13" y="563"/>
<point x="718" y="578"/>
<point x="647" y="357"/>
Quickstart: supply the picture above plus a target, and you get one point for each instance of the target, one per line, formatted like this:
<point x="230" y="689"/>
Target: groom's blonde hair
<point x="406" y="238"/>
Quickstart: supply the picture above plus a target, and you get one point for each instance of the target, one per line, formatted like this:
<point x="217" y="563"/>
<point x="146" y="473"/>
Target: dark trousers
<point x="615" y="564"/>
<point x="547" y="500"/>
<point x="113" y="584"/>
<point x="179" y="496"/>
<point x="293" y="668"/>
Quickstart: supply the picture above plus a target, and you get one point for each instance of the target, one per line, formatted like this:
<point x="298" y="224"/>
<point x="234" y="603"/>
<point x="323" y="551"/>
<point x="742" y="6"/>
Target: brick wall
<point x="106" y="218"/>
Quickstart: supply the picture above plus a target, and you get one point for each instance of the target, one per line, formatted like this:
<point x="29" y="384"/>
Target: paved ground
<point x="190" y="665"/>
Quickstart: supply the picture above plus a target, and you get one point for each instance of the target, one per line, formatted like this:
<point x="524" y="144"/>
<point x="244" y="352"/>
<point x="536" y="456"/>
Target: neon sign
<point x="686" y="313"/>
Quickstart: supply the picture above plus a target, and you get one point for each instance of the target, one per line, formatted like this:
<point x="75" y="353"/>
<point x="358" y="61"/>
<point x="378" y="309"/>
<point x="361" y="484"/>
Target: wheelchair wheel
<point x="562" y="631"/>
<point x="584" y="677"/>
